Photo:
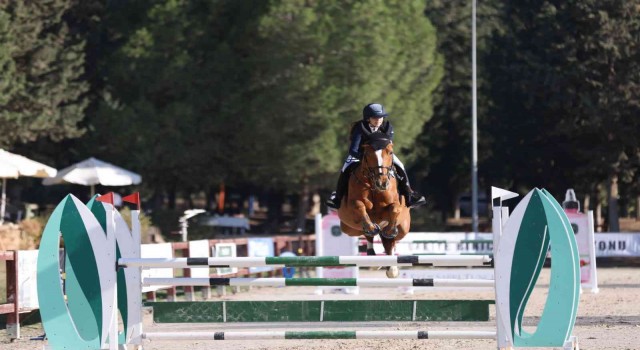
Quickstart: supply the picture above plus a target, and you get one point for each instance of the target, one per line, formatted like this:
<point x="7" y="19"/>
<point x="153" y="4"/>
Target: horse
<point x="372" y="205"/>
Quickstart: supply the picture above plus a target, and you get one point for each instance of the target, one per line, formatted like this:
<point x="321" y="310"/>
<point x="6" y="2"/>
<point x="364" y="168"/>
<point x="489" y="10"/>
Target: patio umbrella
<point x="91" y="172"/>
<point x="13" y="166"/>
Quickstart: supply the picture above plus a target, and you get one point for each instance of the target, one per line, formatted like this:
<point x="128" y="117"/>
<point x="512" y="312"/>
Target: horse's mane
<point x="378" y="140"/>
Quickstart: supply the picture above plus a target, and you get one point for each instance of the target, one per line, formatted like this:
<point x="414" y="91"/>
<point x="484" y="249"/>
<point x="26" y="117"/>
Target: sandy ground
<point x="607" y="320"/>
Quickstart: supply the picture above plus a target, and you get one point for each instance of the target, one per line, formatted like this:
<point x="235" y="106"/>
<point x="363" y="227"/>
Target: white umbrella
<point x="13" y="166"/>
<point x="91" y="172"/>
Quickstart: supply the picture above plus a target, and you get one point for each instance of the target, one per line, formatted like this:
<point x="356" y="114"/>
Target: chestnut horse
<point x="372" y="205"/>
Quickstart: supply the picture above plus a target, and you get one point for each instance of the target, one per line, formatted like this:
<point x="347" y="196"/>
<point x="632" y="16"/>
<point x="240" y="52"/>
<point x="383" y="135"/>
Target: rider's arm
<point x="390" y="131"/>
<point x="356" y="138"/>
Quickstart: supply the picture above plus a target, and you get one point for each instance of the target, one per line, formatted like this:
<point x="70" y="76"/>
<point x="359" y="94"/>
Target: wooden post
<point x="12" y="309"/>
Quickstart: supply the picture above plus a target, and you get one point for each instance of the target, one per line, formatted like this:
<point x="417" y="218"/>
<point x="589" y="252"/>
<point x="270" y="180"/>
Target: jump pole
<point x="310" y="261"/>
<point x="320" y="335"/>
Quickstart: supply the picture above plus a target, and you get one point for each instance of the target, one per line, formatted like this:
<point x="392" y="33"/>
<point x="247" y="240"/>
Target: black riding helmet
<point x="374" y="110"/>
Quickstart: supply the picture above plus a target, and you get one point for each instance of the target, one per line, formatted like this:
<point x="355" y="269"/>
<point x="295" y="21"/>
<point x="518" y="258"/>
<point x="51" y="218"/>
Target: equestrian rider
<point x="373" y="121"/>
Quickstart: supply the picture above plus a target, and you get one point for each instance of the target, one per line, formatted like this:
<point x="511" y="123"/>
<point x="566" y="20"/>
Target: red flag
<point x="106" y="198"/>
<point x="133" y="198"/>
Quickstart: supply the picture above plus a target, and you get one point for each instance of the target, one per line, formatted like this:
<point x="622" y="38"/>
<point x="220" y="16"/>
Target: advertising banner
<point x="260" y="247"/>
<point x="617" y="245"/>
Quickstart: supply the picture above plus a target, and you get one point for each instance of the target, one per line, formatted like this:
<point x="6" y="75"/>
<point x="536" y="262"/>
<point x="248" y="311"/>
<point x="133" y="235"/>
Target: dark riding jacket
<point x="360" y="132"/>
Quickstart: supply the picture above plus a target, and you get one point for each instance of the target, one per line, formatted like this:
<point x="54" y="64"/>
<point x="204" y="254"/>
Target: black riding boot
<point x="413" y="198"/>
<point x="335" y="199"/>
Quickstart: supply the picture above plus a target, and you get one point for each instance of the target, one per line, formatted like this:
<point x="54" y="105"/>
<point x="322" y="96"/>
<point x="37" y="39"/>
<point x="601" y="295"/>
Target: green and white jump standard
<point x="100" y="247"/>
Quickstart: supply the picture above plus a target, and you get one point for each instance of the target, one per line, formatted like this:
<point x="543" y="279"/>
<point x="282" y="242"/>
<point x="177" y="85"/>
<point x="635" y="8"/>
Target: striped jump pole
<point x="407" y="260"/>
<point x="320" y="335"/>
<point x="341" y="282"/>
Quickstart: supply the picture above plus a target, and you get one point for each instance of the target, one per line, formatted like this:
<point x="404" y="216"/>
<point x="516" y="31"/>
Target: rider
<point x="372" y="121"/>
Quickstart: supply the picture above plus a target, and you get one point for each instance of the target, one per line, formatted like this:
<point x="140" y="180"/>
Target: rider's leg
<point x="414" y="199"/>
<point x="343" y="183"/>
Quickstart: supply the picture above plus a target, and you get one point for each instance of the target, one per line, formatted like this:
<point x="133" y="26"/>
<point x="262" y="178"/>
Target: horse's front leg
<point x="369" y="228"/>
<point x="389" y="245"/>
<point x="391" y="230"/>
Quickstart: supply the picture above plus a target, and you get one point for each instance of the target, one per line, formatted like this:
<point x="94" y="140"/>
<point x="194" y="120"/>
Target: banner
<point x="225" y="250"/>
<point x="260" y="247"/>
<point x="583" y="228"/>
<point x="611" y="245"/>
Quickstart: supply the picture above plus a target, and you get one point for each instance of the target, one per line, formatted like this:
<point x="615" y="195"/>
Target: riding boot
<point x="335" y="199"/>
<point x="413" y="198"/>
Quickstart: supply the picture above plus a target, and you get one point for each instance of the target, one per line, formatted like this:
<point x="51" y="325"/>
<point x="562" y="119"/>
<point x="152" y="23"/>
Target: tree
<point x="444" y="145"/>
<point x="42" y="93"/>
<point x="318" y="64"/>
<point x="169" y="89"/>
<point x="565" y="80"/>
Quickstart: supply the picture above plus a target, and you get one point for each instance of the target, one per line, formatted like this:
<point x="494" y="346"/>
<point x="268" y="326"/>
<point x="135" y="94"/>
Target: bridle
<point x="371" y="172"/>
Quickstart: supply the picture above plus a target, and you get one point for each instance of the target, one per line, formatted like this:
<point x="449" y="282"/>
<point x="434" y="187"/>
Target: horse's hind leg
<point x="370" y="250"/>
<point x="389" y="245"/>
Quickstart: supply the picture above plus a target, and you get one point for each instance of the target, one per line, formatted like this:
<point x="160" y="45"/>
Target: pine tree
<point x="43" y="88"/>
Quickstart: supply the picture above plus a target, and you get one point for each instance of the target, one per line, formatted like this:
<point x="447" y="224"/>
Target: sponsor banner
<point x="259" y="248"/>
<point x="583" y="230"/>
<point x="440" y="243"/>
<point x="617" y="245"/>
<point x="27" y="272"/>
<point x="453" y="273"/>
<point x="225" y="250"/>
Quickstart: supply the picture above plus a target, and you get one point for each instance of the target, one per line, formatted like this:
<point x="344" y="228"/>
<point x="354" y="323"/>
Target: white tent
<point x="13" y="166"/>
<point x="91" y="172"/>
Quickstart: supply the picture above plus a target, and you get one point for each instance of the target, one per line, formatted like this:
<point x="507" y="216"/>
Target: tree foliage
<point x="445" y="143"/>
<point x="42" y="93"/>
<point x="316" y="66"/>
<point x="565" y="84"/>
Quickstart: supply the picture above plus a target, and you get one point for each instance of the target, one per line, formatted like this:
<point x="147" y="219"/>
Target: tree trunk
<point x="157" y="199"/>
<point x="172" y="196"/>
<point x="585" y="204"/>
<point x="637" y="208"/>
<point x="274" y="211"/>
<point x="612" y="202"/>
<point x="303" y="206"/>
<point x="211" y="198"/>
<point x="456" y="207"/>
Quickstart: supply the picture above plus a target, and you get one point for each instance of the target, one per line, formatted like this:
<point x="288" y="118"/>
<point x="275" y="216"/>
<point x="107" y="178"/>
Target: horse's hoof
<point x="372" y="233"/>
<point x="390" y="234"/>
<point x="371" y="252"/>
<point x="392" y="272"/>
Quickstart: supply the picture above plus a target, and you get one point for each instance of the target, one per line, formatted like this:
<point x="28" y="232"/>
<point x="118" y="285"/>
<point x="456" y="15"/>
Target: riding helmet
<point x="375" y="110"/>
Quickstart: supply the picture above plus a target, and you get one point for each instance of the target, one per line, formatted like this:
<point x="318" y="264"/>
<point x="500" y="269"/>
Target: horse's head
<point x="377" y="162"/>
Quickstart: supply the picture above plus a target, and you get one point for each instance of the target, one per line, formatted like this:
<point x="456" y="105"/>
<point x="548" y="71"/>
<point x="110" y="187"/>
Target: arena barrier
<point x="103" y="276"/>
